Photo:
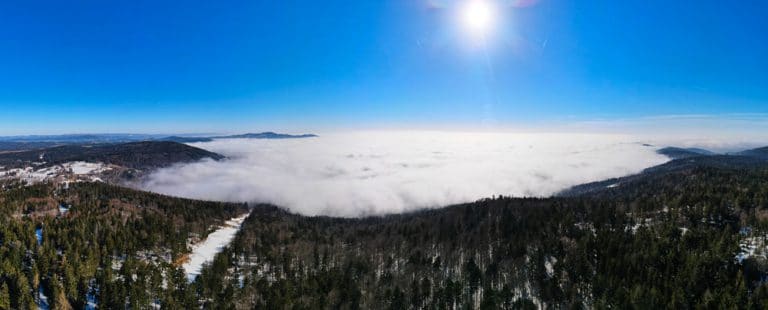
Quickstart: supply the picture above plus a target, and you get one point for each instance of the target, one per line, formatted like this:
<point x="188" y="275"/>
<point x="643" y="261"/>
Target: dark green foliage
<point x="665" y="240"/>
<point x="136" y="155"/>
<point x="104" y="225"/>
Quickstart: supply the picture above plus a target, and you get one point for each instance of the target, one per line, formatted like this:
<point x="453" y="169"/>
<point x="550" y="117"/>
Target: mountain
<point x="261" y="135"/>
<point x="729" y="162"/>
<point x="678" y="153"/>
<point x="80" y="138"/>
<point x="12" y="146"/>
<point x="266" y="135"/>
<point x="685" y="234"/>
<point x="679" y="238"/>
<point x="758" y="152"/>
<point x="23" y="143"/>
<point x="186" y="139"/>
<point x="135" y="155"/>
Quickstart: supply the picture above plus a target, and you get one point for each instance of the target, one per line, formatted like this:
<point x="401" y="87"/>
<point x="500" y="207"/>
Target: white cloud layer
<point x="369" y="173"/>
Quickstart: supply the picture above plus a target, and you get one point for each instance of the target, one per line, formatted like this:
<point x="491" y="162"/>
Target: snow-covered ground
<point x="63" y="209"/>
<point x="204" y="251"/>
<point x="39" y="235"/>
<point x="43" y="304"/>
<point x="90" y="297"/>
<point x="753" y="246"/>
<point x="81" y="167"/>
<point x="32" y="175"/>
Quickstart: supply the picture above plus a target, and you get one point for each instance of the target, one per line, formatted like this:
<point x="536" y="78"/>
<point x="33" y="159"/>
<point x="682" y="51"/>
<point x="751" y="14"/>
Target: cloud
<point x="371" y="173"/>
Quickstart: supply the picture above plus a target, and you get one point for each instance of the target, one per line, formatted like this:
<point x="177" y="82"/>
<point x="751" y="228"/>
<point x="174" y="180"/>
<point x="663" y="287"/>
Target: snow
<point x="754" y="246"/>
<point x="81" y="167"/>
<point x="39" y="235"/>
<point x="43" y="304"/>
<point x="90" y="297"/>
<point x="204" y="251"/>
<point x="63" y="209"/>
<point x="32" y="175"/>
<point x="40" y="175"/>
<point x="549" y="266"/>
<point x="612" y="185"/>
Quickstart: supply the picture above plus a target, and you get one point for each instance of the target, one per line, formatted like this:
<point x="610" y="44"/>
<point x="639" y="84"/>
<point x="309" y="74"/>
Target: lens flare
<point x="478" y="17"/>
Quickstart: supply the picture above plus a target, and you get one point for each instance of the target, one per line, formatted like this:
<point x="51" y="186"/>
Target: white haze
<point x="371" y="173"/>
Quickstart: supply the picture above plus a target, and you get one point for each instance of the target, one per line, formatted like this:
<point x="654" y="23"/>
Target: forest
<point x="667" y="242"/>
<point x="672" y="240"/>
<point x="114" y="246"/>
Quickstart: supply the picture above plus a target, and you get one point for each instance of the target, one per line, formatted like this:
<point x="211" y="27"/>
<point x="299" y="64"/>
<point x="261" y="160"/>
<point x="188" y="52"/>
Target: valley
<point x="688" y="233"/>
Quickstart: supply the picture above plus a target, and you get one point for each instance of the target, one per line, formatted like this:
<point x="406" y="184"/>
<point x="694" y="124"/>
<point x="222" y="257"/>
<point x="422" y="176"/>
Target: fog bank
<point x="369" y="173"/>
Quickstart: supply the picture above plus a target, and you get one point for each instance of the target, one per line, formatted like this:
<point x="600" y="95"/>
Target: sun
<point x="478" y="17"/>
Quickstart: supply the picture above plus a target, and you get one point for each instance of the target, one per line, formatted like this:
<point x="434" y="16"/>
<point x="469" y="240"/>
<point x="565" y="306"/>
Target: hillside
<point x="758" y="152"/>
<point x="267" y="135"/>
<point x="679" y="153"/>
<point x="673" y="240"/>
<point x="27" y="143"/>
<point x="686" y="234"/>
<point x="75" y="243"/>
<point x="727" y="162"/>
<point x="261" y="135"/>
<point x="136" y="155"/>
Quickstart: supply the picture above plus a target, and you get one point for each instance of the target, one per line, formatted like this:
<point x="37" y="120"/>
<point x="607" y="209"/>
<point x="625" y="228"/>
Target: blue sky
<point x="225" y="66"/>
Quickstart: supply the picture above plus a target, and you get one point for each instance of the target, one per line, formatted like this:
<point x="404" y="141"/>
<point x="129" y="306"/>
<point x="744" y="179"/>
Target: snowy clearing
<point x="204" y="251"/>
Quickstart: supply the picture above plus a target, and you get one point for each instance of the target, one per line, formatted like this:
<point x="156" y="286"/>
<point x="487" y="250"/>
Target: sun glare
<point x="478" y="17"/>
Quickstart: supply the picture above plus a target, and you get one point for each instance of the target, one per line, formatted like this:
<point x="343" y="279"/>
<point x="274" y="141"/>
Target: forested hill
<point x="693" y="234"/>
<point x="23" y="143"/>
<point x="676" y="167"/>
<point x="687" y="238"/>
<point x="136" y="155"/>
<point x="758" y="152"/>
<point x="98" y="242"/>
<point x="678" y="153"/>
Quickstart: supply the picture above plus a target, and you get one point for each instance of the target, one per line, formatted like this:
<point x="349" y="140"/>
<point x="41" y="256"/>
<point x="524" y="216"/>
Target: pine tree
<point x="5" y="297"/>
<point x="59" y="297"/>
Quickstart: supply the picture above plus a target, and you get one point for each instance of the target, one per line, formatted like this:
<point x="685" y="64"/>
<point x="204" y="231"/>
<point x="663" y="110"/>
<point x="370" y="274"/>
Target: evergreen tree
<point x="5" y="297"/>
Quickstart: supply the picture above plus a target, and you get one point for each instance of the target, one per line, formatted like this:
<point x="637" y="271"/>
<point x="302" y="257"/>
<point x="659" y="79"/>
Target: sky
<point x="301" y="66"/>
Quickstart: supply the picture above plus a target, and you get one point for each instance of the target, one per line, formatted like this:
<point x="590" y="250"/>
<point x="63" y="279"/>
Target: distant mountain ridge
<point x="267" y="135"/>
<point x="20" y="143"/>
<point x="261" y="135"/>
<point x="135" y="155"/>
<point x="681" y="153"/>
<point x="758" y="152"/>
<point x="682" y="160"/>
<point x="81" y="138"/>
<point x="677" y="153"/>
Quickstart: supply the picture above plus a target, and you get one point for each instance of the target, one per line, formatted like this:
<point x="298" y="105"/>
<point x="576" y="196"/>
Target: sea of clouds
<point x="373" y="173"/>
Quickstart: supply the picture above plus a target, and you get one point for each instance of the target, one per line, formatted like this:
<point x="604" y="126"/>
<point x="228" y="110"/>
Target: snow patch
<point x="203" y="252"/>
<point x="81" y="167"/>
<point x="39" y="235"/>
<point x="549" y="266"/>
<point x="32" y="175"/>
<point x="43" y="303"/>
<point x="90" y="297"/>
<point x="754" y="246"/>
<point x="63" y="209"/>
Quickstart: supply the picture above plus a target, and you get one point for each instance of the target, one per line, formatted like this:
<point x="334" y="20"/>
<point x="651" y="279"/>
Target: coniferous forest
<point x="675" y="239"/>
<point x="383" y="155"/>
